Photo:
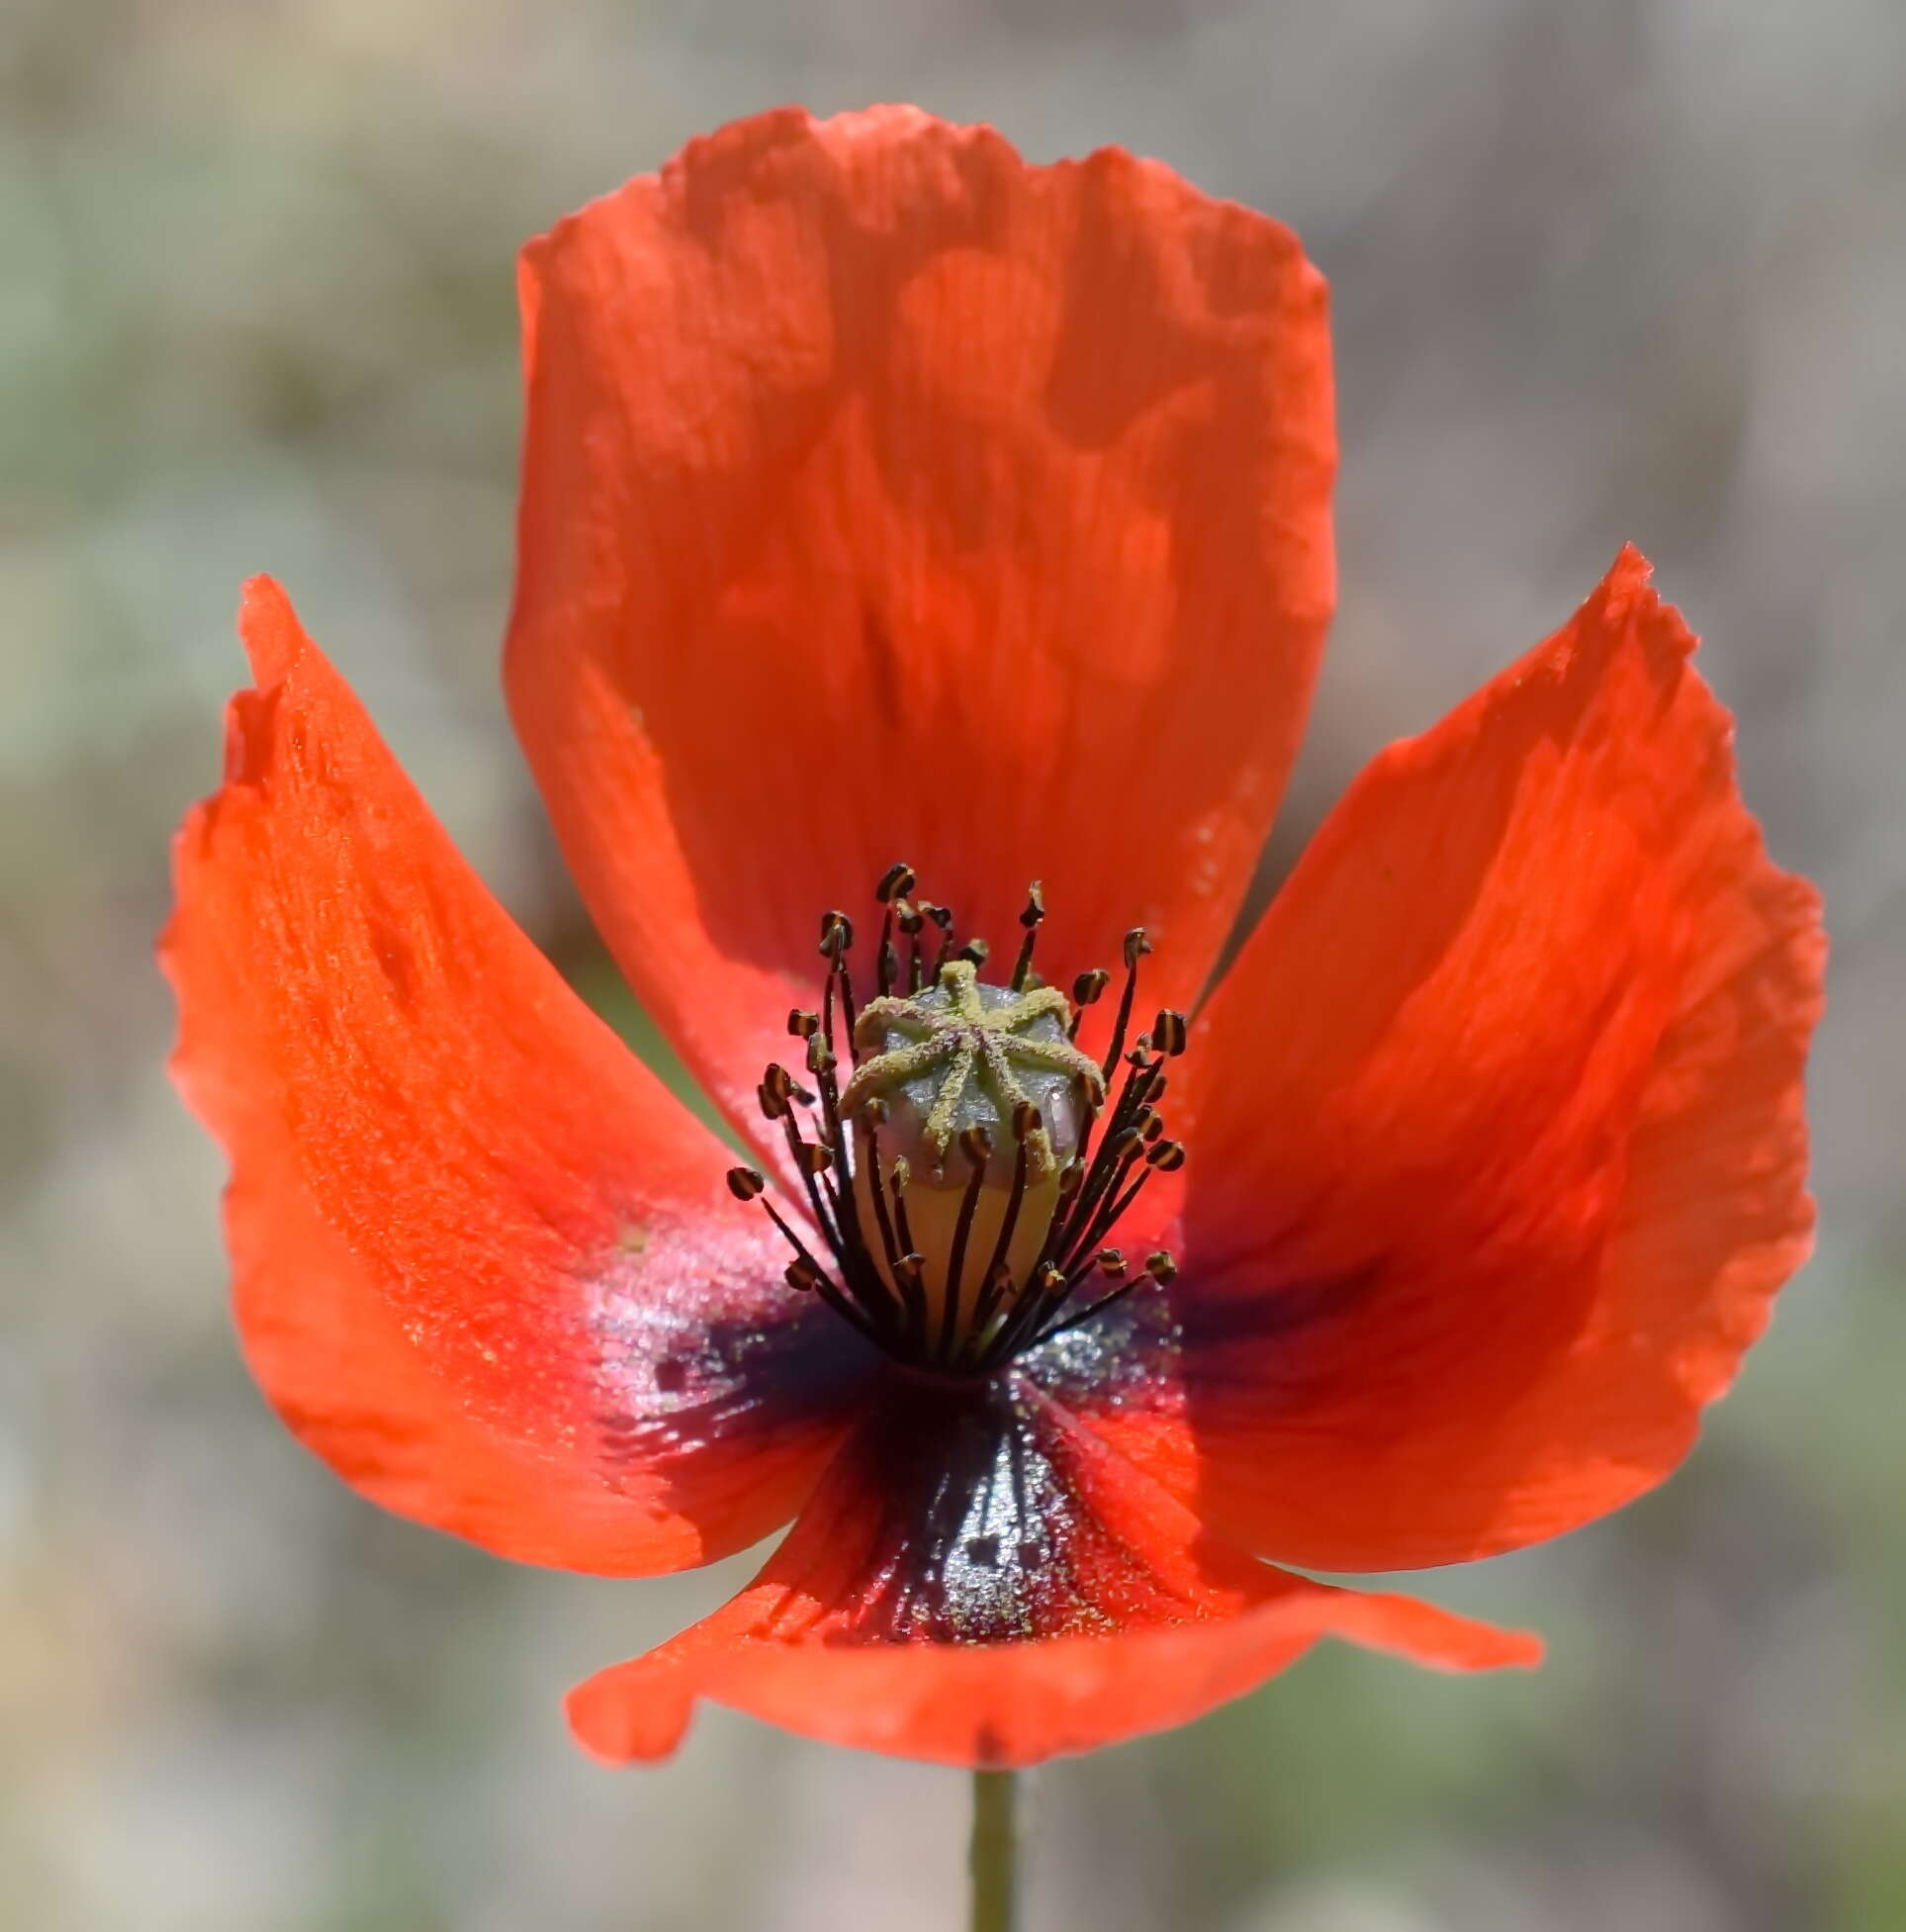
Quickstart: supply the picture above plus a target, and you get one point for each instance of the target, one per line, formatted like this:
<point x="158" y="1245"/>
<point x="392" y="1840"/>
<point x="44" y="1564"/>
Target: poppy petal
<point x="889" y="498"/>
<point x="485" y="1264"/>
<point x="983" y="1582"/>
<point x="1499" y="1156"/>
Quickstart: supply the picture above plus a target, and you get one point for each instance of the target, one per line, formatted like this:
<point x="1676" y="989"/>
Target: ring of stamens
<point x="971" y="1242"/>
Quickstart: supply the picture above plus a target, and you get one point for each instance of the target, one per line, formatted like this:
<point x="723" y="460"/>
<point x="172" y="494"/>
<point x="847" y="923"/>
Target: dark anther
<point x="1111" y="1262"/>
<point x="1087" y="989"/>
<point x="976" y="1144"/>
<point x="820" y="1058"/>
<point x="1136" y="946"/>
<point x="803" y="1025"/>
<point x="1027" y="1120"/>
<point x="1168" y="1031"/>
<point x="778" y="1081"/>
<point x="814" y="1158"/>
<point x="802" y="1276"/>
<point x="975" y="950"/>
<point x="1029" y="919"/>
<point x="1167" y="1156"/>
<point x="837" y="934"/>
<point x="744" y="1183"/>
<point x="1161" y="1268"/>
<point x="772" y="1105"/>
<point x="897" y="878"/>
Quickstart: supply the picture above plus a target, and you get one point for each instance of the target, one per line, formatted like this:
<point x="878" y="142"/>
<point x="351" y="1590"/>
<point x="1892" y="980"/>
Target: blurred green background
<point x="1630" y="269"/>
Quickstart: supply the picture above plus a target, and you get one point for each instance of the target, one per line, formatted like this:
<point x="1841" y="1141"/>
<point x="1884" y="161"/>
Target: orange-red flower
<point x="886" y="498"/>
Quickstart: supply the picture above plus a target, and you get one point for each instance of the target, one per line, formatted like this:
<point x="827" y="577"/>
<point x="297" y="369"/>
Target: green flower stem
<point x="994" y="1856"/>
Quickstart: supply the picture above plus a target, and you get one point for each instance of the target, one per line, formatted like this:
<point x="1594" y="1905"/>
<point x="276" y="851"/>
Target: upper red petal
<point x="979" y="1582"/>
<point x="1501" y="1153"/>
<point x="484" y="1261"/>
<point x="886" y="498"/>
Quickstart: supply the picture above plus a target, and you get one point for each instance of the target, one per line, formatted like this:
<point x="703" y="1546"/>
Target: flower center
<point x="964" y="1177"/>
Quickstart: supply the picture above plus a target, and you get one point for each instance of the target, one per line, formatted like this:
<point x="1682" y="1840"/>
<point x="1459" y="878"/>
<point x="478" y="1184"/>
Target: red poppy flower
<point x="885" y="497"/>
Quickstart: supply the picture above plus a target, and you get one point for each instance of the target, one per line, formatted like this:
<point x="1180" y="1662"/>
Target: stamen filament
<point x="976" y="1144"/>
<point x="1136" y="946"/>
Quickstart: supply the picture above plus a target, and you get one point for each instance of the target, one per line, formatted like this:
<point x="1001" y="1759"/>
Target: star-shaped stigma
<point x="962" y="1054"/>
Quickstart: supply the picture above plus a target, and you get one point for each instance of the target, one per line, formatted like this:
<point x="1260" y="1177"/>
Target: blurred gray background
<point x="1635" y="268"/>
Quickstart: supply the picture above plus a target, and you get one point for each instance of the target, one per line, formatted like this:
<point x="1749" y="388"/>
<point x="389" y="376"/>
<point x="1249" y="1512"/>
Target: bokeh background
<point x="1629" y="269"/>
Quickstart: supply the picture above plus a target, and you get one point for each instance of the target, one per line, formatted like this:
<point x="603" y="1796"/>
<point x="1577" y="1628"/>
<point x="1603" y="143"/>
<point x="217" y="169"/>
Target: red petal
<point x="1502" y="1155"/>
<point x="983" y="1582"/>
<point x="885" y="499"/>
<point x="485" y="1262"/>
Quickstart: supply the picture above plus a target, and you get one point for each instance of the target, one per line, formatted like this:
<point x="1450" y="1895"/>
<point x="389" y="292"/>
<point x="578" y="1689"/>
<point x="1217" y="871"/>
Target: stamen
<point x="1136" y="946"/>
<point x="1031" y="919"/>
<point x="977" y="1145"/>
<point x="911" y="1278"/>
<point x="873" y="1116"/>
<point x="942" y="916"/>
<point x="836" y="934"/>
<point x="1026" y="1124"/>
<point x="894" y="881"/>
<point x="901" y="1177"/>
<point x="1159" y="1269"/>
<point x="836" y="939"/>
<point x="810" y="1163"/>
<point x="998" y="1286"/>
<point x="815" y="1276"/>
<point x="911" y="920"/>
<point x="1044" y="1295"/>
